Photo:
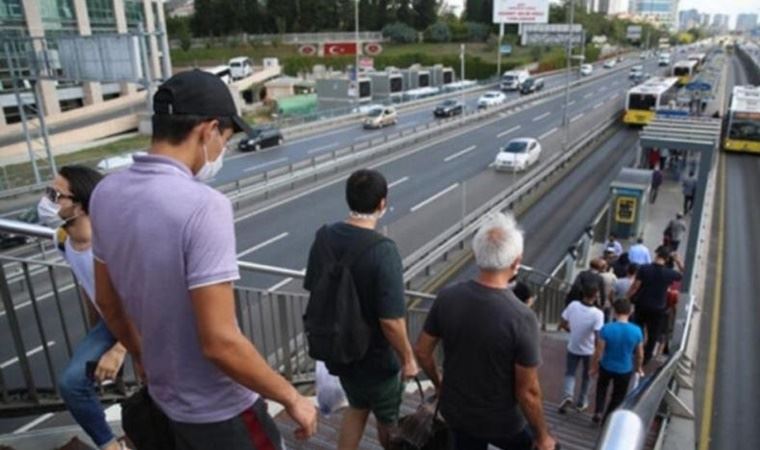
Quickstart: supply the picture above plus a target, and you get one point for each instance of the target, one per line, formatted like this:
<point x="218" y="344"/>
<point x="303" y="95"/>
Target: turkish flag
<point x="339" y="48"/>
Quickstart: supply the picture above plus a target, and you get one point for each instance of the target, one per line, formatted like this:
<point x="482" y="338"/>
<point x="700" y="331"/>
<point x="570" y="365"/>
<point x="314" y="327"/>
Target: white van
<point x="241" y="67"/>
<point x="222" y="72"/>
<point x="512" y="80"/>
<point x="664" y="59"/>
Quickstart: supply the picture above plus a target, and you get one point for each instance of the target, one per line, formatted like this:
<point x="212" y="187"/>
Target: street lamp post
<point x="565" y="123"/>
<point x="461" y="71"/>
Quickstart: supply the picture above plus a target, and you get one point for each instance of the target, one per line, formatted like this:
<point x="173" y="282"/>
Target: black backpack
<point x="335" y="328"/>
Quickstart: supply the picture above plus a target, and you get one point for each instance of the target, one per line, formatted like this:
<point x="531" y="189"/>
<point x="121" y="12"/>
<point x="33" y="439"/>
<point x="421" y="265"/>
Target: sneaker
<point x="581" y="407"/>
<point x="597" y="418"/>
<point x="566" y="403"/>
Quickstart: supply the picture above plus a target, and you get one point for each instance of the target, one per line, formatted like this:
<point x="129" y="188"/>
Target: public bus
<point x="700" y="58"/>
<point x="642" y="101"/>
<point x="743" y="123"/>
<point x="222" y="72"/>
<point x="684" y="70"/>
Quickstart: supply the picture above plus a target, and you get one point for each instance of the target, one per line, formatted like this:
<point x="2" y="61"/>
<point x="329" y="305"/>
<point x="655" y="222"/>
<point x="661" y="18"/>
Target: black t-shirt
<point x="655" y="280"/>
<point x="485" y="332"/>
<point x="379" y="278"/>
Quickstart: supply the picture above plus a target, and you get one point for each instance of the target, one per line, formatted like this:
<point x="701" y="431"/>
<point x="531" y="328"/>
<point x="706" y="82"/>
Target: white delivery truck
<point x="512" y="80"/>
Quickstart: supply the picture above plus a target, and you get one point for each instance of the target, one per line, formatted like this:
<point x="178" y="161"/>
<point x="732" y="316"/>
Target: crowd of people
<point x="154" y="249"/>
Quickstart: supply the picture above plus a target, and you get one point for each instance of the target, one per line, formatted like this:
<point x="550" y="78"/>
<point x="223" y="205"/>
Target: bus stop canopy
<point x="691" y="134"/>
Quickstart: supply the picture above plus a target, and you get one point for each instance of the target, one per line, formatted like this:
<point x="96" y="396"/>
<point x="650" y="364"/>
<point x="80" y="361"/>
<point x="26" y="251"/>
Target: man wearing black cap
<point x="164" y="246"/>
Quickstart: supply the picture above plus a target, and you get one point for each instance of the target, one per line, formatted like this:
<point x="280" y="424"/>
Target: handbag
<point x="146" y="426"/>
<point x="422" y="430"/>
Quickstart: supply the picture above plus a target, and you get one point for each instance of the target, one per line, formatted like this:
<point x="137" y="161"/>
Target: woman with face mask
<point x="65" y="205"/>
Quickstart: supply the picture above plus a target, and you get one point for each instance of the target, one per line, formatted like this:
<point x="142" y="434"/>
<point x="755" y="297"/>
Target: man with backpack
<point x="355" y="319"/>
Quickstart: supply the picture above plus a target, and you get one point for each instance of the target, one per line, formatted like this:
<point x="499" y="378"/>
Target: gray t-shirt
<point x="485" y="333"/>
<point x="161" y="234"/>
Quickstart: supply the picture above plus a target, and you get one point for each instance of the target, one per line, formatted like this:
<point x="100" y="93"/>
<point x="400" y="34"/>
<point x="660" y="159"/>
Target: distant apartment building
<point x="720" y="22"/>
<point x="23" y="19"/>
<point x="608" y="7"/>
<point x="746" y="22"/>
<point x="689" y="19"/>
<point x="704" y="20"/>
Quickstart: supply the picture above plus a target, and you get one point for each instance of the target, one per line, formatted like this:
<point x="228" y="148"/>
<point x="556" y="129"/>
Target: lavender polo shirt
<point x="162" y="233"/>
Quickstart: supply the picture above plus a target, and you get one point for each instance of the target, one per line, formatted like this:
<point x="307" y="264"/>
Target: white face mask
<point x="210" y="168"/>
<point x="47" y="211"/>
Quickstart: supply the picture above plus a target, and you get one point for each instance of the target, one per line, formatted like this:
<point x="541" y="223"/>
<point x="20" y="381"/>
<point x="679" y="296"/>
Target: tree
<point x="438" y="32"/>
<point x="426" y="13"/>
<point x="404" y="12"/>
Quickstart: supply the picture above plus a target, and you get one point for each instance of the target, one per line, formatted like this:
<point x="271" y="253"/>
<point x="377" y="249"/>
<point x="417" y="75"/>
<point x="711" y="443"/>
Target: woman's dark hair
<point x="82" y="181"/>
<point x="522" y="291"/>
<point x="175" y="128"/>
<point x="364" y="190"/>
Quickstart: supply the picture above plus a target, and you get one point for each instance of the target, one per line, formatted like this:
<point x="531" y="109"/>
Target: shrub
<point x="438" y="32"/>
<point x="477" y="32"/>
<point x="400" y="33"/>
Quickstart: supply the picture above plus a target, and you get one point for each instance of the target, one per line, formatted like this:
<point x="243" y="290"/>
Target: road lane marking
<point x="397" y="182"/>
<point x="322" y="148"/>
<point x="266" y="164"/>
<point x="31" y="352"/>
<point x="263" y="244"/>
<point x="546" y="114"/>
<point x="598" y="105"/>
<point x="33" y="423"/>
<point x="576" y="118"/>
<point x="602" y="89"/>
<point x="571" y="103"/>
<point x="280" y="284"/>
<point x="434" y="197"/>
<point x="548" y="133"/>
<point x="460" y="153"/>
<point x="588" y="95"/>
<point x="712" y="355"/>
<point x="504" y="133"/>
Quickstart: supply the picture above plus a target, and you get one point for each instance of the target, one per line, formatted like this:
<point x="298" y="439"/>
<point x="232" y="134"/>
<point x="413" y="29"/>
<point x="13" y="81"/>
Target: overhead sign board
<point x="551" y="34"/>
<point x="520" y="11"/>
<point x="506" y="49"/>
<point x="633" y="33"/>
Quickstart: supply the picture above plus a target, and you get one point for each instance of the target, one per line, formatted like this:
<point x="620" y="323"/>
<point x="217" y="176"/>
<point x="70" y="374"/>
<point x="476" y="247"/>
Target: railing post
<point x="40" y="327"/>
<point x="18" y="341"/>
<point x="282" y="308"/>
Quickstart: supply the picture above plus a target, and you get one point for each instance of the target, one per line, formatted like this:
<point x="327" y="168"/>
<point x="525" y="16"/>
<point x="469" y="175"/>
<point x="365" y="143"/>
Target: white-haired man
<point x="491" y="350"/>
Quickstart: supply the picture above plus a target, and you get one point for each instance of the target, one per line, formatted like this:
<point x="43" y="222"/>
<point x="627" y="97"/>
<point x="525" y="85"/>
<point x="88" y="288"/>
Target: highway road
<point x="426" y="197"/>
<point x="734" y="404"/>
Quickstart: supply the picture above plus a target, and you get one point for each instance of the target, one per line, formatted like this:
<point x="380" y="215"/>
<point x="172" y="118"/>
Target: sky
<point x="704" y="6"/>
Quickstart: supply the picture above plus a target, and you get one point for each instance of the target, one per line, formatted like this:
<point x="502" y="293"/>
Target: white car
<point x="118" y="162"/>
<point x="609" y="64"/>
<point x="586" y="69"/>
<point x="491" y="98"/>
<point x="518" y="154"/>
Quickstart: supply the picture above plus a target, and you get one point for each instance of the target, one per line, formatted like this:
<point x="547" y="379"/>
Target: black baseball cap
<point x="197" y="93"/>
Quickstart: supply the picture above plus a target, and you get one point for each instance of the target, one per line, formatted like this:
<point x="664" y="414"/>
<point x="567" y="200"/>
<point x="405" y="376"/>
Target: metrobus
<point x="222" y="72"/>
<point x="743" y="122"/>
<point x="700" y="58"/>
<point x="642" y="101"/>
<point x="684" y="70"/>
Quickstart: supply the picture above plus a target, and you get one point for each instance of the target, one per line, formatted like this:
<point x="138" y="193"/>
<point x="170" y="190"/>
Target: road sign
<point x="506" y="49"/>
<point x="551" y="34"/>
<point x="633" y="33"/>
<point x="366" y="63"/>
<point x="520" y="11"/>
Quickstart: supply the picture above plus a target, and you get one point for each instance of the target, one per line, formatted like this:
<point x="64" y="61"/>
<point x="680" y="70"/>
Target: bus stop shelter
<point x="693" y="135"/>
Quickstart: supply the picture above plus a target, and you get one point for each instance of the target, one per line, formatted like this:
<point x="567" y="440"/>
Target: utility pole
<point x="498" y="50"/>
<point x="356" y="60"/>
<point x="565" y="122"/>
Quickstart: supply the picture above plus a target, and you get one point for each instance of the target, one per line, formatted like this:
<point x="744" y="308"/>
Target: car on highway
<point x="260" y="137"/>
<point x="380" y="117"/>
<point x="448" y="108"/>
<point x="644" y="55"/>
<point x="586" y="69"/>
<point x="636" y="71"/>
<point x="118" y="162"/>
<point x="532" y="85"/>
<point x="610" y="63"/>
<point x="518" y="154"/>
<point x="491" y="98"/>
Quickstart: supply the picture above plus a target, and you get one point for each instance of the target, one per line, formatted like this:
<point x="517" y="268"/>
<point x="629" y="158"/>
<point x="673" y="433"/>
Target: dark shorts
<point x="253" y="429"/>
<point x="383" y="398"/>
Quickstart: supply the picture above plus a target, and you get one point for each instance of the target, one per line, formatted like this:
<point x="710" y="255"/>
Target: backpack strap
<point x="60" y="239"/>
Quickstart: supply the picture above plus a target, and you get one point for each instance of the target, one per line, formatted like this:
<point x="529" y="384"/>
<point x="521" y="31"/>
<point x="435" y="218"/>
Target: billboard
<point x="633" y="33"/>
<point x="520" y="11"/>
<point x="105" y="58"/>
<point x="551" y="34"/>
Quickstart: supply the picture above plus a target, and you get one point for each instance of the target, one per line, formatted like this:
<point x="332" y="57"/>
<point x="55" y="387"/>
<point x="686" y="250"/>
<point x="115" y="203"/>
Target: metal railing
<point x="285" y="38"/>
<point x="47" y="311"/>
